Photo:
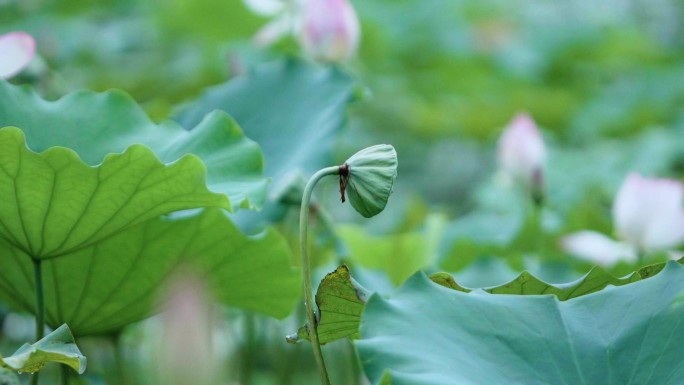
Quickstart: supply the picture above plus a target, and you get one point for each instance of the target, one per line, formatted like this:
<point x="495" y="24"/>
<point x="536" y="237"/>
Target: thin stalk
<point x="306" y="268"/>
<point x="248" y="348"/>
<point x="537" y="217"/>
<point x="121" y="369"/>
<point x="64" y="375"/>
<point x="40" y="308"/>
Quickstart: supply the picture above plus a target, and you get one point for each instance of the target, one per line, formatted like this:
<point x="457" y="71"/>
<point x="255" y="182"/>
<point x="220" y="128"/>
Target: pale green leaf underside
<point x="58" y="346"/>
<point x="95" y="125"/>
<point x="341" y="300"/>
<point x="53" y="204"/>
<point x="105" y="247"/>
<point x="427" y="334"/>
<point x="103" y="287"/>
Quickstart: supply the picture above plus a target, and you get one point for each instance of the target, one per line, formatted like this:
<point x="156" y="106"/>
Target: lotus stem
<point x="306" y="268"/>
<point x="40" y="307"/>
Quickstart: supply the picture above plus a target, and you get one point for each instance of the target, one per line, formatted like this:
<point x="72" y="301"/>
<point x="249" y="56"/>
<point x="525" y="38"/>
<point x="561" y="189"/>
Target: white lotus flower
<point x="649" y="212"/>
<point x="330" y="30"/>
<point x="648" y="216"/>
<point x="598" y="248"/>
<point x="521" y="151"/>
<point x="16" y="52"/>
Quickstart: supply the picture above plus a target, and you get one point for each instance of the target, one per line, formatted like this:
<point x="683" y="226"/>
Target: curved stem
<point x="306" y="268"/>
<point x="40" y="307"/>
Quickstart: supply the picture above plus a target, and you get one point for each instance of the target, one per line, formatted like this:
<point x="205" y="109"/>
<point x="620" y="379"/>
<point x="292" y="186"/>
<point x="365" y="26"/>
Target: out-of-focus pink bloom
<point x="521" y="151"/>
<point x="185" y="351"/>
<point x="16" y="52"/>
<point x="598" y="248"/>
<point x="330" y="30"/>
<point x="648" y="216"/>
<point x="649" y="212"/>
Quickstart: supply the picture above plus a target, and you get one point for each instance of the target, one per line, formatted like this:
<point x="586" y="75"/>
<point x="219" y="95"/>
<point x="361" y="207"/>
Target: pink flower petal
<point x="330" y="30"/>
<point x="16" y="51"/>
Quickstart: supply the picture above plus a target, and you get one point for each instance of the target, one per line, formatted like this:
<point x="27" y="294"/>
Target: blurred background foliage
<point x="439" y="79"/>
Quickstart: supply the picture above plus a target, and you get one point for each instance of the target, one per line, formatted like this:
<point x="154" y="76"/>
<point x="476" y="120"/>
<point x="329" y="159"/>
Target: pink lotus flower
<point x="16" y="52"/>
<point x="330" y="30"/>
<point x="522" y="154"/>
<point x="648" y="215"/>
<point x="184" y="350"/>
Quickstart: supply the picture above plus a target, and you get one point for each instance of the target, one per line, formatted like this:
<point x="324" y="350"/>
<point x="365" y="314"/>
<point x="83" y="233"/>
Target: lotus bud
<point x="368" y="177"/>
<point x="522" y="154"/>
<point x="330" y="30"/>
<point x="649" y="212"/>
<point x="16" y="52"/>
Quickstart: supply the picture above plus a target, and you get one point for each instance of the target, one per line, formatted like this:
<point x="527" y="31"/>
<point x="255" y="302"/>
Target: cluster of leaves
<point x="111" y="204"/>
<point x="93" y="187"/>
<point x="497" y="336"/>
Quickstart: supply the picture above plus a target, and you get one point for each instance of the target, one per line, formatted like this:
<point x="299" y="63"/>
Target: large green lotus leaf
<point x="97" y="124"/>
<point x="341" y="300"/>
<point x="54" y="204"/>
<point x="291" y="108"/>
<point x="428" y="334"/>
<point x="105" y="246"/>
<point x="58" y="346"/>
<point x="111" y="283"/>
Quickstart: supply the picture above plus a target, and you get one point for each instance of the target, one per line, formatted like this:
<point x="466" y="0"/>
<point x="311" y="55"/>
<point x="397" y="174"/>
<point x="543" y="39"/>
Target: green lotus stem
<point x="40" y="307"/>
<point x="306" y="268"/>
<point x="537" y="217"/>
<point x="64" y="375"/>
<point x="248" y="362"/>
<point x="122" y="376"/>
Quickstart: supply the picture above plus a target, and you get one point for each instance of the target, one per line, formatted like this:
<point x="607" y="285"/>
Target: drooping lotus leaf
<point x="291" y="108"/>
<point x="428" y="334"/>
<point x="341" y="300"/>
<point x="105" y="247"/>
<point x="97" y="124"/>
<point x="58" y="346"/>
